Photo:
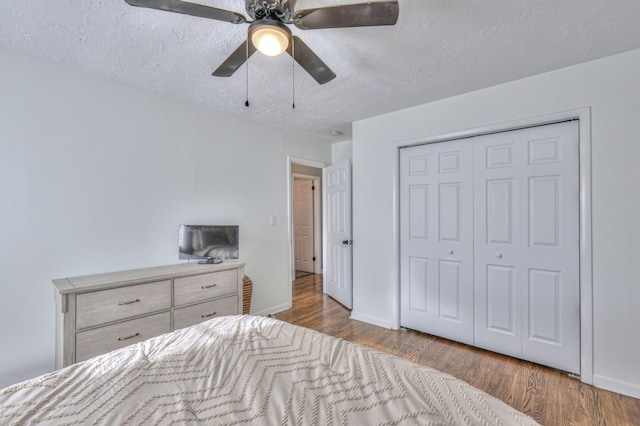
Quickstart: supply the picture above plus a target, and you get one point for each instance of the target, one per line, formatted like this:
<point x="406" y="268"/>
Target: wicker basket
<point x="247" y="290"/>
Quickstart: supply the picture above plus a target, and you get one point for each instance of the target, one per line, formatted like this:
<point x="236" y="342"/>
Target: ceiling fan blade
<point x="235" y="60"/>
<point x="192" y="9"/>
<point x="351" y="15"/>
<point x="310" y="61"/>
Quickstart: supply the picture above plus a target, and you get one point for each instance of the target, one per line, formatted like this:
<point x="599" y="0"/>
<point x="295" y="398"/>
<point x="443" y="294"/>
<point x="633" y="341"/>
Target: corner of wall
<point x="341" y="151"/>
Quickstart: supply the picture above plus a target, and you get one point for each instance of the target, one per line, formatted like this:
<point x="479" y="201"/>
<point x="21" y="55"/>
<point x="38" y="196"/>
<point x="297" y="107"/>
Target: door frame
<point x="317" y="219"/>
<point x="585" y="250"/>
<point x="303" y="162"/>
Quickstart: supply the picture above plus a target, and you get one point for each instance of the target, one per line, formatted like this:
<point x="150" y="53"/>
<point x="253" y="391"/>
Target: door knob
<point x="347" y="242"/>
<point x="450" y="251"/>
<point x="499" y="255"/>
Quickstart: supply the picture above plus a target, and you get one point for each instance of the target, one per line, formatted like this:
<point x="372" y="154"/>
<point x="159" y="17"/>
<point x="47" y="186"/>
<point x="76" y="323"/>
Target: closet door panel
<point x="544" y="306"/>
<point x="500" y="300"/>
<point x="544" y="211"/>
<point x="454" y="249"/>
<point x="497" y="277"/>
<point x="499" y="211"/>
<point x="527" y="216"/>
<point x="449" y="226"/>
<point x="417" y="288"/>
<point x="418" y="235"/>
<point x="417" y="211"/>
<point x="436" y="211"/>
<point x="551" y="296"/>
<point x="450" y="301"/>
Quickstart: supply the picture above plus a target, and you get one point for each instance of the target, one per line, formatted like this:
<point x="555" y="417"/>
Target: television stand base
<point x="211" y="260"/>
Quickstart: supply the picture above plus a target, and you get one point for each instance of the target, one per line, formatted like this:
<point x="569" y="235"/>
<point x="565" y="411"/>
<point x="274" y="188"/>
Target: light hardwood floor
<point x="551" y="397"/>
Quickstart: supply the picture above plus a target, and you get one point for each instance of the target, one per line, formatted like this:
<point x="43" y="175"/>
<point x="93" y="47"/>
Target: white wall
<point x="242" y="179"/>
<point x="96" y="176"/>
<point x="341" y="151"/>
<point x="610" y="87"/>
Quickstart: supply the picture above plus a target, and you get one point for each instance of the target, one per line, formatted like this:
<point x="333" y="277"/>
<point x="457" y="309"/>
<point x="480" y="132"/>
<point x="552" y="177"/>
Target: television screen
<point x="208" y="242"/>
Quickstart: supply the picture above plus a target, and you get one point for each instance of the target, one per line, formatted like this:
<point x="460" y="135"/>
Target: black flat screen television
<point x="208" y="242"/>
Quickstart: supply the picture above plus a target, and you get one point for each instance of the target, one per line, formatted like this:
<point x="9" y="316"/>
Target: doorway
<point x="304" y="235"/>
<point x="305" y="217"/>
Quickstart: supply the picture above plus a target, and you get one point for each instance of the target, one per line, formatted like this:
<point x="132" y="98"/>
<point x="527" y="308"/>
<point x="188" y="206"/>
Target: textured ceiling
<point x="439" y="48"/>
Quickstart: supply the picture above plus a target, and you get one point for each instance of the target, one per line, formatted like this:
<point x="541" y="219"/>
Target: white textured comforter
<point x="250" y="370"/>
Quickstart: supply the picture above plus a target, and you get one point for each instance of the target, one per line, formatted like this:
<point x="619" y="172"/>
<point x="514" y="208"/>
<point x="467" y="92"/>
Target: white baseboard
<point x="272" y="310"/>
<point x="617" y="386"/>
<point x="370" y="319"/>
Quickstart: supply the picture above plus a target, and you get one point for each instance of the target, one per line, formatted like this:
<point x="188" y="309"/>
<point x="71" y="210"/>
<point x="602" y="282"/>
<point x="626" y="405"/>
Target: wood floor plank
<point x="549" y="396"/>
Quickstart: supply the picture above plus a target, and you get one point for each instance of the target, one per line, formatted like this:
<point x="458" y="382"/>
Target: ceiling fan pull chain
<point x="293" y="72"/>
<point x="246" y="103"/>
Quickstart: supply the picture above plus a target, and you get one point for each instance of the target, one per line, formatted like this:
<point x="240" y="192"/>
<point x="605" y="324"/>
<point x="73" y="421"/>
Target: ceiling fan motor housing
<point x="270" y="9"/>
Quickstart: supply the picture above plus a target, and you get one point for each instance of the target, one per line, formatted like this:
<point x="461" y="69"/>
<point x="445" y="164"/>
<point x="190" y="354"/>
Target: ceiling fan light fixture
<point x="269" y="37"/>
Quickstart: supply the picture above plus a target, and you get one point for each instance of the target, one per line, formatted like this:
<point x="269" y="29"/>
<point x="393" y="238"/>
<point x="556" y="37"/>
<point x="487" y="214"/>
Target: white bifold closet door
<point x="437" y="239"/>
<point x="523" y="213"/>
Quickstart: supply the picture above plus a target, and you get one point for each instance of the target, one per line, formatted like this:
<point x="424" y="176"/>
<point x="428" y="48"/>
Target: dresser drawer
<point x="101" y="340"/>
<point x="104" y="306"/>
<point x="190" y="315"/>
<point x="200" y="287"/>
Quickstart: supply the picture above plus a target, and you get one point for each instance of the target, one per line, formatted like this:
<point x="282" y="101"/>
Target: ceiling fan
<point x="269" y="33"/>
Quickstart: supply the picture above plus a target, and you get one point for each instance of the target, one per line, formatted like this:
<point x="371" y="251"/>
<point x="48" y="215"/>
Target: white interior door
<point x="527" y="244"/>
<point x="437" y="239"/>
<point x="303" y="226"/>
<point x="337" y="232"/>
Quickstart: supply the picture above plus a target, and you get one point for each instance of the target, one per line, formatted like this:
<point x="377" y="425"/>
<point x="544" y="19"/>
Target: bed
<point x="250" y="370"/>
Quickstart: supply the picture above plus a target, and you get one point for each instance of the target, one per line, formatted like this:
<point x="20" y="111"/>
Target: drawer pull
<point x="209" y="286"/>
<point x="129" y="337"/>
<point x="129" y="302"/>
<point x="209" y="315"/>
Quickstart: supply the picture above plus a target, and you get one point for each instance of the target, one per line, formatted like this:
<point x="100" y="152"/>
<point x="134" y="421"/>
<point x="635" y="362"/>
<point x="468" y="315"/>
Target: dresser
<point x="98" y="313"/>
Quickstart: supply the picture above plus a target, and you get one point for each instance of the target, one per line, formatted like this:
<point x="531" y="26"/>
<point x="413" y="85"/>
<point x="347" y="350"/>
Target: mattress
<point x="250" y="370"/>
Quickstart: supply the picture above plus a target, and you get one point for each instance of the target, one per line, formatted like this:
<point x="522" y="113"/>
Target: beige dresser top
<point x="134" y="276"/>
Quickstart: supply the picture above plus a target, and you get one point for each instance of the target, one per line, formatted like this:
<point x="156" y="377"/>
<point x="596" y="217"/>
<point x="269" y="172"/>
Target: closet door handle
<point x="450" y="251"/>
<point x="499" y="255"/>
